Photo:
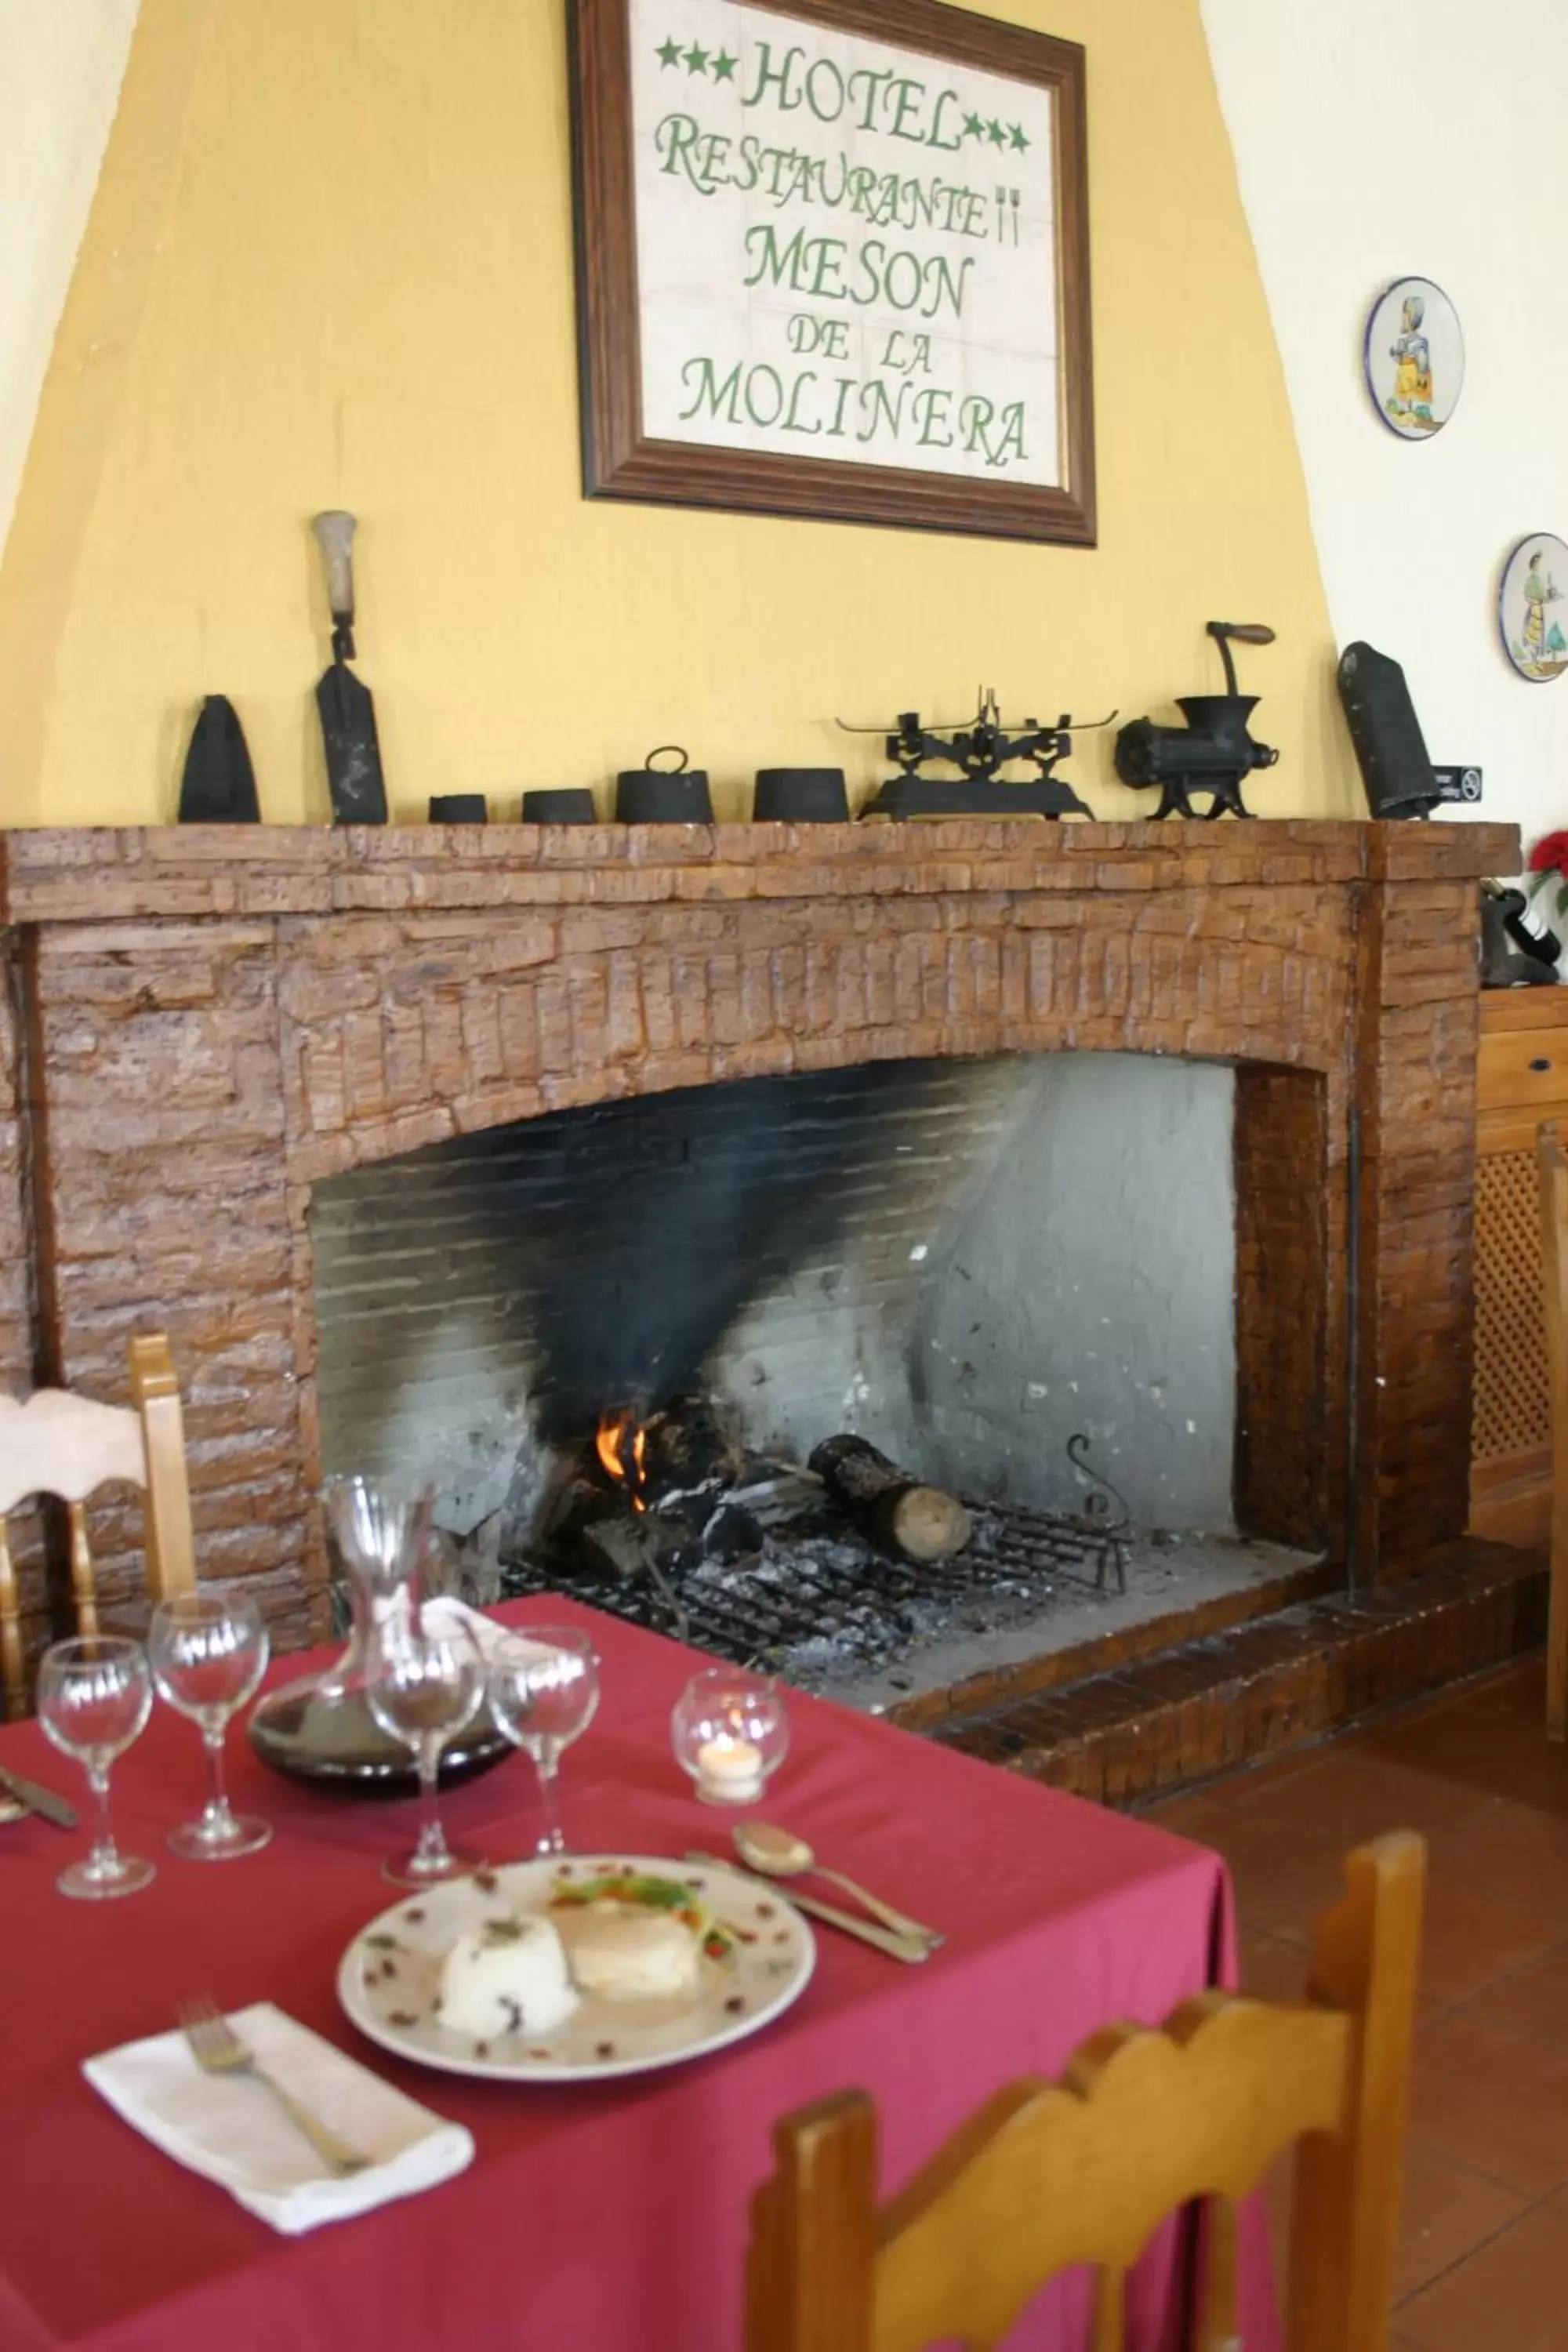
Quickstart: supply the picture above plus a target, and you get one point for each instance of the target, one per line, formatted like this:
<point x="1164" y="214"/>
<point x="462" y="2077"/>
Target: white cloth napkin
<point x="444" y="1611"/>
<point x="231" y="2129"/>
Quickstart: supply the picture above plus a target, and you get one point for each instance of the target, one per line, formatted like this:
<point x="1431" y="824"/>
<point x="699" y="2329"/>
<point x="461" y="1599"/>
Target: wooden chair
<point x="1047" y="2175"/>
<point x="1553" y="1168"/>
<point x="60" y="1443"/>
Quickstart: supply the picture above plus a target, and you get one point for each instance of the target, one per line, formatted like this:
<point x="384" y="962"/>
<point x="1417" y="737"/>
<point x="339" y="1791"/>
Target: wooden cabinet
<point x="1522" y="1078"/>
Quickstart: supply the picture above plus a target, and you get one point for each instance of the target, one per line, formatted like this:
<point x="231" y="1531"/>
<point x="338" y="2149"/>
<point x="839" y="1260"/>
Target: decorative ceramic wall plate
<point x="1415" y="357"/>
<point x="1533" y="607"/>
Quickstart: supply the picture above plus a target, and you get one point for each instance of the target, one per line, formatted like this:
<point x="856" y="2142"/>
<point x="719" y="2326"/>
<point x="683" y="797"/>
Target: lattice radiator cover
<point x="1512" y="1392"/>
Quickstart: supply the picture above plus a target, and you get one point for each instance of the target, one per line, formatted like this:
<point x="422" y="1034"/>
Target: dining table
<point x="606" y="2215"/>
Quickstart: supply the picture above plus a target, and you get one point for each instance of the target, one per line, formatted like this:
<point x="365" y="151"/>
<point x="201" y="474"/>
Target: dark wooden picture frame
<point x="620" y="461"/>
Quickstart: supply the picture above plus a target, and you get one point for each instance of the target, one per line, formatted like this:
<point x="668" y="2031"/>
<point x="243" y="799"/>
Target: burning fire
<point x="621" y="1444"/>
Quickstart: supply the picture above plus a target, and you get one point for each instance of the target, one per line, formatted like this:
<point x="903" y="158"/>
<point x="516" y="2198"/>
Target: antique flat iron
<point x="218" y="786"/>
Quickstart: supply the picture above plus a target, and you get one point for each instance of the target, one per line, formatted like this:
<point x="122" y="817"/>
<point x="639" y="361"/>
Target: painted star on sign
<point x="669" y="52"/>
<point x="1019" y="139"/>
<point x="724" y="65"/>
<point x="696" y="60"/>
<point x="974" y="126"/>
<point x="995" y="133"/>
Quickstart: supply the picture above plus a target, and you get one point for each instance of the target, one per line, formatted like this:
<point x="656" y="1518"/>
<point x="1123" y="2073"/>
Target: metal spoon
<point x="779" y="1853"/>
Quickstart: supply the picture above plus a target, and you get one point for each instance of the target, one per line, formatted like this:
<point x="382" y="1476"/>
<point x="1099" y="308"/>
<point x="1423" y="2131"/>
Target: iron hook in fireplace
<point x="1105" y="1516"/>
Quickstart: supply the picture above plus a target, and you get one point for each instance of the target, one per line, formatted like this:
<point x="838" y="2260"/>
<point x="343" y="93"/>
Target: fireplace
<point x="263" y="1017"/>
<point x="1013" y="1274"/>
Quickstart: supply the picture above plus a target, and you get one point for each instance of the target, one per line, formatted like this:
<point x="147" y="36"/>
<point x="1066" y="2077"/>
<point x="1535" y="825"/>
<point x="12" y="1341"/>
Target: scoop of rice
<point x="624" y="1951"/>
<point x="506" y="1976"/>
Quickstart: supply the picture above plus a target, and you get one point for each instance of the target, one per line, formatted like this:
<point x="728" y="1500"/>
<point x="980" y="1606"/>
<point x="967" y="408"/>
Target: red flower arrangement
<point x="1550" y="856"/>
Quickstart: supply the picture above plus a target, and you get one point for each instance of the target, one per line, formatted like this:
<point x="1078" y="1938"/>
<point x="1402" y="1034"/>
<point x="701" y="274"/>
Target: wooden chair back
<point x="1552" y="1169"/>
<point x="59" y="1444"/>
<point x="1047" y="2175"/>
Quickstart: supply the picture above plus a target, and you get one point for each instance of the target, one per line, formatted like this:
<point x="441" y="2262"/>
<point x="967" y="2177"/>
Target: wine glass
<point x="426" y="1683"/>
<point x="208" y="1652"/>
<point x="95" y="1694"/>
<point x="543" y="1694"/>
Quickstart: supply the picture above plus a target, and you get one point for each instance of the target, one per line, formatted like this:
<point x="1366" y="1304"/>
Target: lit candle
<point x="728" y="1771"/>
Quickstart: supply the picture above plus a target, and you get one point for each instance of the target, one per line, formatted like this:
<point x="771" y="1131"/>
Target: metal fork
<point x="218" y="2050"/>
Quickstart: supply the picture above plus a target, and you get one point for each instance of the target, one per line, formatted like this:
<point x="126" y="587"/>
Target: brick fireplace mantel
<point x="203" y="1023"/>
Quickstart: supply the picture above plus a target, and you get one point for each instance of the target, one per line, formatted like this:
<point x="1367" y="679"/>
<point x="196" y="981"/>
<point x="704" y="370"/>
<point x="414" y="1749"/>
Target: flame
<point x="610" y="1444"/>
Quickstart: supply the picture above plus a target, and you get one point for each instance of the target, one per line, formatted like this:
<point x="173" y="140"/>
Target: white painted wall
<point x="1372" y="142"/>
<point x="61" y="64"/>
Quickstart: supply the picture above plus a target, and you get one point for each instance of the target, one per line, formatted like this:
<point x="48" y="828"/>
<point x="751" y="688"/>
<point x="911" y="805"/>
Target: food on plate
<point x="623" y="1951"/>
<point x="506" y="1976"/>
<point x="632" y="1936"/>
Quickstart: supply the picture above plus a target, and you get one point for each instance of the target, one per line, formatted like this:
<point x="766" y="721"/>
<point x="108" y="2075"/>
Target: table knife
<point x="881" y="1939"/>
<point x="42" y="1801"/>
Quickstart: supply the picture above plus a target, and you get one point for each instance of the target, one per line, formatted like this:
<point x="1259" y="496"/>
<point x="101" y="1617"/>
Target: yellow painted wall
<point x="329" y="263"/>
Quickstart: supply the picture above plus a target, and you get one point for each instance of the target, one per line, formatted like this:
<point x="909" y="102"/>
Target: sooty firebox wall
<point x="966" y="1261"/>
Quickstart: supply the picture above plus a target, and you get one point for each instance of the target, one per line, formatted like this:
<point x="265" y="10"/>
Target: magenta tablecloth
<point x="608" y="2217"/>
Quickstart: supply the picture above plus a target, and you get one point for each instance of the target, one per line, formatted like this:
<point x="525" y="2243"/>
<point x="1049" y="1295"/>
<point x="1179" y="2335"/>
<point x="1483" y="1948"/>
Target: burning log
<point x="644" y="1496"/>
<point x="687" y="1449"/>
<point x="571" y="1501"/>
<point x="894" y="1509"/>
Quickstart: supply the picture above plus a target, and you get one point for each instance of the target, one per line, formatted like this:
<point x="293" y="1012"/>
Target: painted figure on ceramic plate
<point x="1534" y="638"/>
<point x="1414" y="353"/>
<point x="1542" y="643"/>
<point x="1410" y="402"/>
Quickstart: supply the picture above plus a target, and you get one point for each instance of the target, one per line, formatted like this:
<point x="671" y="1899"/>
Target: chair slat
<point x="84" y="1575"/>
<point x="1110" y="2310"/>
<point x="1218" y="2326"/>
<point x="1344" y="2221"/>
<point x="170" y="1543"/>
<point x="820" y="2234"/>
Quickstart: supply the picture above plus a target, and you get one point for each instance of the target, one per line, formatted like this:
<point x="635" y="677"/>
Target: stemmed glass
<point x="424" y="1684"/>
<point x="543" y="1694"/>
<point x="208" y="1652"/>
<point x="95" y="1694"/>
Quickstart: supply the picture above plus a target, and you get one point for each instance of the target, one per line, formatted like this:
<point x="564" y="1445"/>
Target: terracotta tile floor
<point x="1484" y="2261"/>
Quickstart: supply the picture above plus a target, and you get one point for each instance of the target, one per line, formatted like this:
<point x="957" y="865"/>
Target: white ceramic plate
<point x="388" y="1977"/>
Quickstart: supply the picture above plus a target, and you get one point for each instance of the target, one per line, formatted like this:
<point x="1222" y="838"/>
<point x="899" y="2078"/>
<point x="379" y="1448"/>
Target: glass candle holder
<point x="730" y="1730"/>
